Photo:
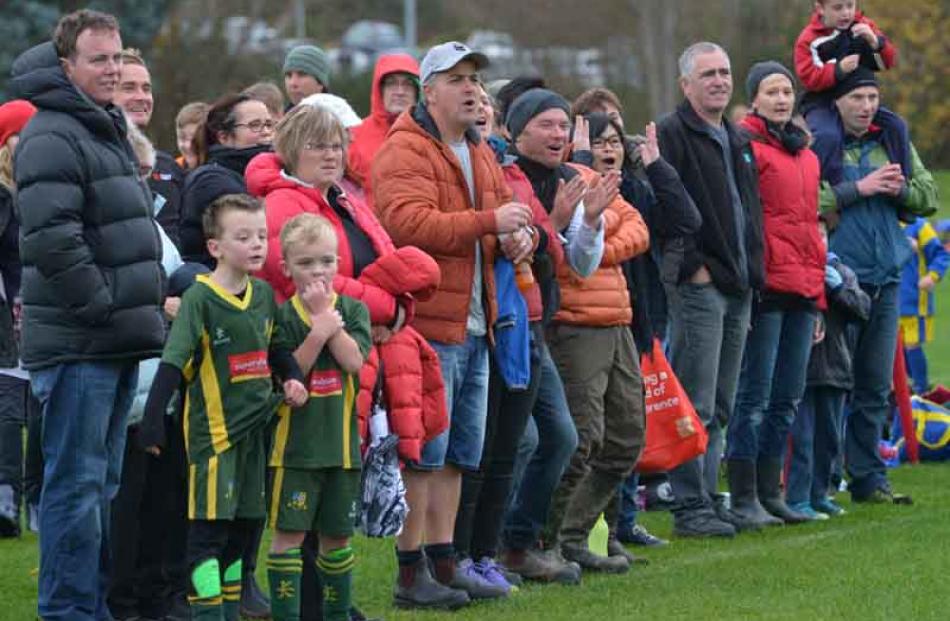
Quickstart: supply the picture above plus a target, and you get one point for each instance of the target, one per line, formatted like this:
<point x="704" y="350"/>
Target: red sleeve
<point x="541" y="220"/>
<point x="814" y="75"/>
<point x="381" y="305"/>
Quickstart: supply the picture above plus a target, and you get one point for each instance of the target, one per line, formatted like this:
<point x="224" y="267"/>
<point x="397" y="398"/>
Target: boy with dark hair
<point x="315" y="462"/>
<point x="223" y="344"/>
<point x="837" y="40"/>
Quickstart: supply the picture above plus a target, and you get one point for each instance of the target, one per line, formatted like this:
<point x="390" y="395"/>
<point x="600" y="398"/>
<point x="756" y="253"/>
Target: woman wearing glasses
<point x="236" y="129"/>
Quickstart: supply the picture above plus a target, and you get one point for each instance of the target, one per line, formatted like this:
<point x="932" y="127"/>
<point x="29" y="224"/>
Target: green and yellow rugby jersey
<point x="324" y="433"/>
<point x="221" y="342"/>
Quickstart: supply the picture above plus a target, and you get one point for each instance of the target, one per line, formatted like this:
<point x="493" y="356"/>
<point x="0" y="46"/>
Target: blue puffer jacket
<point x="512" y="353"/>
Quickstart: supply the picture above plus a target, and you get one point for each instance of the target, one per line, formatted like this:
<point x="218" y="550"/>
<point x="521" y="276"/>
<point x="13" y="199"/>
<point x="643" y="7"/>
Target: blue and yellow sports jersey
<point x="931" y="258"/>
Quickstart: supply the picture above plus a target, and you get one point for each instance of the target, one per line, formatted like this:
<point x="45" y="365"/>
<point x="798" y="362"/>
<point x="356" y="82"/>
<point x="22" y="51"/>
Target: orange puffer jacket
<point x="422" y="199"/>
<point x="602" y="299"/>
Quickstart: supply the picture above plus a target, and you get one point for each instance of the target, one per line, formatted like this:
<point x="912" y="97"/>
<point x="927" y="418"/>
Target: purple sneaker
<point x="493" y="574"/>
<point x="470" y="579"/>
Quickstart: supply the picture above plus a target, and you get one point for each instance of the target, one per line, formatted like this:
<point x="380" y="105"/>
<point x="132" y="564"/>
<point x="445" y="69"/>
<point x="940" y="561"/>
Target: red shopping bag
<point x="674" y="432"/>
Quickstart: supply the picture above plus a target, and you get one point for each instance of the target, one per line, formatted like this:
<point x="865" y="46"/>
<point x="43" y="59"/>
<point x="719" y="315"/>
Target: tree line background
<point x="187" y="67"/>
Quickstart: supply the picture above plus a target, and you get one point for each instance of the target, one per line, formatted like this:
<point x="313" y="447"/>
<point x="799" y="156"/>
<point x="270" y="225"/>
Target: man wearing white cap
<point x="437" y="187"/>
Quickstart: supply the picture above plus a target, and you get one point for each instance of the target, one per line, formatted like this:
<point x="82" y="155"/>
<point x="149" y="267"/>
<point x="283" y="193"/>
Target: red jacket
<point x="524" y="193"/>
<point x="816" y="75"/>
<point x="413" y="379"/>
<point x="795" y="255"/>
<point x="368" y="137"/>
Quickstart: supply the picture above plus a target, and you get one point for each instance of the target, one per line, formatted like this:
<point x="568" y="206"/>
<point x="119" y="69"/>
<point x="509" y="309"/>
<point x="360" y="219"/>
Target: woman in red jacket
<point x="303" y="176"/>
<point x="774" y="365"/>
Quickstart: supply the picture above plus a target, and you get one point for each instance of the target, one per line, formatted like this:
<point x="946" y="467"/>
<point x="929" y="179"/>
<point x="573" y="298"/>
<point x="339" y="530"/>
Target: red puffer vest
<point x="795" y="255"/>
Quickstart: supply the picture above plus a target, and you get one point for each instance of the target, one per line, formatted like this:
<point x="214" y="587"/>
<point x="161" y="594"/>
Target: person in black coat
<point x="236" y="129"/>
<point x="711" y="275"/>
<point x="92" y="289"/>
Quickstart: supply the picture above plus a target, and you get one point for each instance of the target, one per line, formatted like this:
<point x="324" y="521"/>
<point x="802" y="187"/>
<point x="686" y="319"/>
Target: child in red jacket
<point x="837" y="40"/>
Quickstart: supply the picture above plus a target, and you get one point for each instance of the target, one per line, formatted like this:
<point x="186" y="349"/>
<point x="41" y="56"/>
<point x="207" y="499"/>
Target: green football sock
<point x="283" y="574"/>
<point x="206" y="603"/>
<point x="336" y="572"/>
<point x="231" y="591"/>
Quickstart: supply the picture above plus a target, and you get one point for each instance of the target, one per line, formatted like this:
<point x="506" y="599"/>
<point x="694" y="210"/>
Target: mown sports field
<point x="873" y="563"/>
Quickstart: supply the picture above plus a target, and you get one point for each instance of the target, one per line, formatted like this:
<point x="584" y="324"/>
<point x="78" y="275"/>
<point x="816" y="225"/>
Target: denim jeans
<point x="707" y="336"/>
<point x="546" y="447"/>
<point x="873" y="373"/>
<point x="621" y="513"/>
<point x="85" y="406"/>
<point x="465" y="371"/>
<point x="771" y="384"/>
<point x="816" y="443"/>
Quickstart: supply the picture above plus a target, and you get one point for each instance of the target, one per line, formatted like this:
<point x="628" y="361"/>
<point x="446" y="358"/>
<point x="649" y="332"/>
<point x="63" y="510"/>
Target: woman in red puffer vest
<point x="775" y="361"/>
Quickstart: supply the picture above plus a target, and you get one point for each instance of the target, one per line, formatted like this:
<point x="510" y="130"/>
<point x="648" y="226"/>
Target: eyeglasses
<point x="322" y="147"/>
<point x="613" y="143"/>
<point x="257" y="126"/>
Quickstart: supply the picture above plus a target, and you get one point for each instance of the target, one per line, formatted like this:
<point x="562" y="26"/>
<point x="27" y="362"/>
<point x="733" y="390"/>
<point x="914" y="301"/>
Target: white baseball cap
<point x="340" y="108"/>
<point x="444" y="56"/>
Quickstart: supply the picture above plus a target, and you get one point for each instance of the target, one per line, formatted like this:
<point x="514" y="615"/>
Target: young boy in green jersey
<point x="315" y="462"/>
<point x="222" y="349"/>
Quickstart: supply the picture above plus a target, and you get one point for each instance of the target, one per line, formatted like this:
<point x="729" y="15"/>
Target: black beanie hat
<point x="759" y="72"/>
<point x="529" y="105"/>
<point x="861" y="76"/>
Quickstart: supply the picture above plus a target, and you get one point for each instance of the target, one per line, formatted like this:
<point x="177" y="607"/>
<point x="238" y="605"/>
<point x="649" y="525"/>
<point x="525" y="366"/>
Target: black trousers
<point x="23" y="472"/>
<point x="485" y="492"/>
<point x="149" y="528"/>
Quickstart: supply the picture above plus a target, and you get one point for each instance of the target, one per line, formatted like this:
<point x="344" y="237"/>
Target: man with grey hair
<point x="438" y="187"/>
<point x="710" y="276"/>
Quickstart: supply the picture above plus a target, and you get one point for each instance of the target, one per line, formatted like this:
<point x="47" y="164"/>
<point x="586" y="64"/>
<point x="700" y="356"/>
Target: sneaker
<point x="539" y="565"/>
<point x="639" y="536"/>
<point x="254" y="604"/>
<point x="701" y="523"/>
<point x="467" y="578"/>
<point x="588" y="560"/>
<point x="829" y="506"/>
<point x="493" y="574"/>
<point x="805" y="508"/>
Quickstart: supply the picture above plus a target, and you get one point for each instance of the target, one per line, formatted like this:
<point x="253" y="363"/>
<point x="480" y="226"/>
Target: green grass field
<point x="873" y="563"/>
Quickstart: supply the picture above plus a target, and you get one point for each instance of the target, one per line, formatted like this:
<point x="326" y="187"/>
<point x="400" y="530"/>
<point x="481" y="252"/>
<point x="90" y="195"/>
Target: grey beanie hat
<point x="762" y="70"/>
<point x="529" y="105"/>
<point x="311" y="60"/>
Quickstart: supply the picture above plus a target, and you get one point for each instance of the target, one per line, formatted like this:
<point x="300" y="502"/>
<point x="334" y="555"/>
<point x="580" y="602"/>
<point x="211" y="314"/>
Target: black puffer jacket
<point x="92" y="282"/>
<point x="222" y="174"/>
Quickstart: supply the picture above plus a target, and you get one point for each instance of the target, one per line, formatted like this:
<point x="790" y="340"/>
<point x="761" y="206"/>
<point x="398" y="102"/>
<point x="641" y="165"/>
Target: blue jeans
<point x="546" y="447"/>
<point x="627" y="493"/>
<point x="771" y="385"/>
<point x="873" y="373"/>
<point x="707" y="336"/>
<point x="816" y="444"/>
<point x="85" y="406"/>
<point x="465" y="371"/>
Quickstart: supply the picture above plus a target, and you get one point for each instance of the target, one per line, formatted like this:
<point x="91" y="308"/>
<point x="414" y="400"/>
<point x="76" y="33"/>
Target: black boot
<point x="744" y="499"/>
<point x="770" y="492"/>
<point x="254" y="604"/>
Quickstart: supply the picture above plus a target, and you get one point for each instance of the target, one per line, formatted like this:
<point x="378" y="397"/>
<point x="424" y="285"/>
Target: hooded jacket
<point x="788" y="183"/>
<point x="368" y="137"/>
<point x="819" y="48"/>
<point x="686" y="144"/>
<point x="422" y="199"/>
<point x="92" y="283"/>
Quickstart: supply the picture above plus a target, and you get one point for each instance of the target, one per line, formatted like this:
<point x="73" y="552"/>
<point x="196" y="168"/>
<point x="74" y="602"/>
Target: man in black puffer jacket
<point x="92" y="287"/>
